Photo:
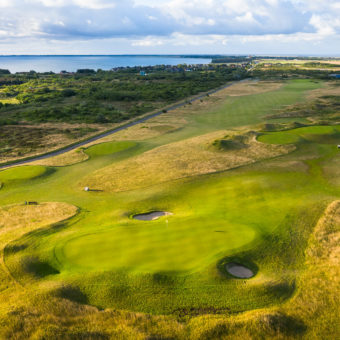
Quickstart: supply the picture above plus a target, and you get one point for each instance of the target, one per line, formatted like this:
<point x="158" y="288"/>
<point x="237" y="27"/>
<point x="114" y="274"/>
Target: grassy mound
<point x="230" y="143"/>
<point x="109" y="148"/>
<point x="71" y="293"/>
<point x="23" y="173"/>
<point x="186" y="158"/>
<point x="34" y="216"/>
<point x="260" y="213"/>
<point x="274" y="127"/>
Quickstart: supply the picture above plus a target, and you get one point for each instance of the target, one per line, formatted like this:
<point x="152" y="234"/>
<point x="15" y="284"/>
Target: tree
<point x="68" y="93"/>
<point x="3" y="71"/>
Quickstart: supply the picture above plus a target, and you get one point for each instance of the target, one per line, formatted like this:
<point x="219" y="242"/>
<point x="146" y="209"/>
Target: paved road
<point x="104" y="134"/>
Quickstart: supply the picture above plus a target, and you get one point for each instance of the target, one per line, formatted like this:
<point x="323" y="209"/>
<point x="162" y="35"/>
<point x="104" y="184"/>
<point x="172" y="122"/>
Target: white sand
<point x="151" y="216"/>
<point x="239" y="271"/>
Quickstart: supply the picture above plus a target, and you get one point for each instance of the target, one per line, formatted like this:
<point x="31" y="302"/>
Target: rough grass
<point x="311" y="314"/>
<point x="68" y="158"/>
<point x="247" y="88"/>
<point x="317" y="300"/>
<point x="177" y="160"/>
<point x="18" y="141"/>
<point x="20" y="216"/>
<point x="17" y="220"/>
<point x="267" y="209"/>
<point x="10" y="101"/>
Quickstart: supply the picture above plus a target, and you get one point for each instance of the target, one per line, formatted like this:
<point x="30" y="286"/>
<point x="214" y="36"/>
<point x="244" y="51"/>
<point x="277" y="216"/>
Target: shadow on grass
<point x="37" y="268"/>
<point x="71" y="293"/>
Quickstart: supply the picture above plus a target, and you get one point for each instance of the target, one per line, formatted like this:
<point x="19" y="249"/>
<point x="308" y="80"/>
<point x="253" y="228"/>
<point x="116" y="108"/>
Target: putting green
<point x="208" y="222"/>
<point x="152" y="248"/>
<point x="109" y="148"/>
<point x="319" y="134"/>
<point x="22" y="173"/>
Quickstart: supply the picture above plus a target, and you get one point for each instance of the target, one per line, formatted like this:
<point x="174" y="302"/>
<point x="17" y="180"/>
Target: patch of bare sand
<point x="151" y="216"/>
<point x="239" y="271"/>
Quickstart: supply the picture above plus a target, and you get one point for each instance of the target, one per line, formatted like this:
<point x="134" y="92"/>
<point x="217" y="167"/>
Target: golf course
<point x="217" y="220"/>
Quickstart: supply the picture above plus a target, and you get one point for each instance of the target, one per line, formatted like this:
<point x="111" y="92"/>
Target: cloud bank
<point x="168" y="26"/>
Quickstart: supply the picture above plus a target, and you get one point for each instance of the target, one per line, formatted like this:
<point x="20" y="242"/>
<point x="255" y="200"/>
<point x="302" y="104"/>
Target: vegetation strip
<point x="107" y="133"/>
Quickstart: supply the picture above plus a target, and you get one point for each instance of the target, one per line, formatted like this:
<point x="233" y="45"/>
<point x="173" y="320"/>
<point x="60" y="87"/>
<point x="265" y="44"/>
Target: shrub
<point x="68" y="93"/>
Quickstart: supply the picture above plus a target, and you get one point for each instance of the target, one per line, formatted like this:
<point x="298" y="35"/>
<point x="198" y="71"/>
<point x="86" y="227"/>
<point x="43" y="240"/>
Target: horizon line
<point x="204" y="55"/>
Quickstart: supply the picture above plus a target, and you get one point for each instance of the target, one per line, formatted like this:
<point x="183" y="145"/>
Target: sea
<point x="58" y="63"/>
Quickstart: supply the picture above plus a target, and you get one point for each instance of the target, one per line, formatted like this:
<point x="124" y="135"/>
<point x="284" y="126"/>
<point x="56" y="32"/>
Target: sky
<point x="265" y="27"/>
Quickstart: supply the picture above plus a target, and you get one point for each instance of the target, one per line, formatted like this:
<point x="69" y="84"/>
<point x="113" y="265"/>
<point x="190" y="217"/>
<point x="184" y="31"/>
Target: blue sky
<point x="283" y="27"/>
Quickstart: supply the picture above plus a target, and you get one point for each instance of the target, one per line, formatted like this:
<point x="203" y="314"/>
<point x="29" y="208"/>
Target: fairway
<point x="231" y="211"/>
<point x="108" y="148"/>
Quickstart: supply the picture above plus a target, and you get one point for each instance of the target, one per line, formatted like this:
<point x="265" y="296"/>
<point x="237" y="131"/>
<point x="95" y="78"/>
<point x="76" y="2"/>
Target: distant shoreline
<point x="71" y="63"/>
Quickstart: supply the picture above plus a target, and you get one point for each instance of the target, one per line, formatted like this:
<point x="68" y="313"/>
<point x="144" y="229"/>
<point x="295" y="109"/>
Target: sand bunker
<point x="239" y="271"/>
<point x="151" y="216"/>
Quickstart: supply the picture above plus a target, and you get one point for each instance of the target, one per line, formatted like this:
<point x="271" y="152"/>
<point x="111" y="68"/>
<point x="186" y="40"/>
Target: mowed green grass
<point x="109" y="148"/>
<point x="252" y="109"/>
<point x="22" y="173"/>
<point x="249" y="214"/>
<point x="205" y="228"/>
<point x="319" y="134"/>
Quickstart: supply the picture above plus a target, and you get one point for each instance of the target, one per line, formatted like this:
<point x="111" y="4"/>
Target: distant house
<point x="336" y="76"/>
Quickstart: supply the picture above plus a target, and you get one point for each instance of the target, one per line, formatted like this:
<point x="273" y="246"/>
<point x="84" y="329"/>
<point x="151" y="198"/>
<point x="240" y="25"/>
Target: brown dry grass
<point x="329" y="89"/>
<point x="17" y="220"/>
<point x="68" y="158"/>
<point x="190" y="157"/>
<point x="331" y="170"/>
<point x="251" y="87"/>
<point x="311" y="314"/>
<point x="318" y="299"/>
<point x="26" y="216"/>
<point x="138" y="132"/>
<point x="47" y="137"/>
<point x="154" y="127"/>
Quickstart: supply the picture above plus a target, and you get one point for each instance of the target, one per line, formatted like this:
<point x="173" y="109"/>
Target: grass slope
<point x="260" y="214"/>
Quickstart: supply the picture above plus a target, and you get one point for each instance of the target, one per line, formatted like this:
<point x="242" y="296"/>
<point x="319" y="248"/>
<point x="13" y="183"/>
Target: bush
<point x="3" y="71"/>
<point x="68" y="93"/>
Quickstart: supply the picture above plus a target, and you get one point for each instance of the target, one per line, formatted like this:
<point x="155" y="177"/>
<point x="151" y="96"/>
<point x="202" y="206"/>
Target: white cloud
<point x="148" y="41"/>
<point x="92" y="4"/>
<point x="323" y="27"/>
<point x="176" y="23"/>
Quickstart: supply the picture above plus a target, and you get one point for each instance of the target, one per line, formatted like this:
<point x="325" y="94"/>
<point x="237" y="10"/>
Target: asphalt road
<point x="111" y="132"/>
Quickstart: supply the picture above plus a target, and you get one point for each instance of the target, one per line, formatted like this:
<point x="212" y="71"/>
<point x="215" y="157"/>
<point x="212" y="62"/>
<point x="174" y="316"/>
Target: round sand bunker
<point x="155" y="215"/>
<point x="239" y="271"/>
